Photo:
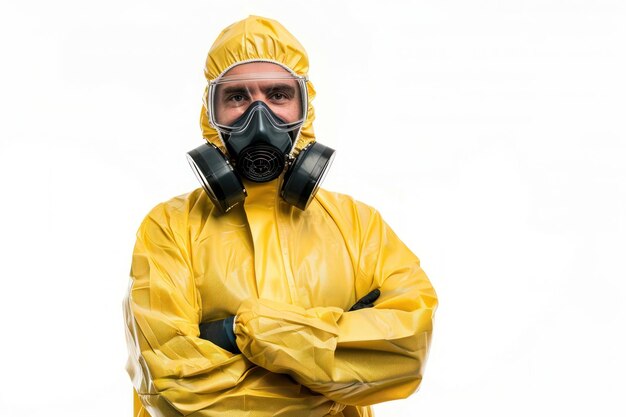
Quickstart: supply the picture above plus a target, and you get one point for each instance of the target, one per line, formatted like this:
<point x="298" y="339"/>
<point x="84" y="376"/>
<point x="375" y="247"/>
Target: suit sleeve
<point x="173" y="370"/>
<point x="360" y="357"/>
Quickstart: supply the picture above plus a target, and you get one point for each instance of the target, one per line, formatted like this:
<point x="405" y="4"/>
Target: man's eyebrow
<point x="278" y="86"/>
<point x="233" y="89"/>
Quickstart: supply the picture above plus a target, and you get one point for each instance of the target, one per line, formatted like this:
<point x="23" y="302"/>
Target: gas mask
<point x="259" y="141"/>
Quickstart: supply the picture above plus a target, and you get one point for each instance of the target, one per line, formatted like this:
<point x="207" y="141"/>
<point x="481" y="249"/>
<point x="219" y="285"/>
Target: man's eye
<point x="235" y="99"/>
<point x="279" y="96"/>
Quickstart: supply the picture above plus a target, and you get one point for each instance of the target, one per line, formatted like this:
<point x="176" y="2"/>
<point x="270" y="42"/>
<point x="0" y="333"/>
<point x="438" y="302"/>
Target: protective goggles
<point x="229" y="97"/>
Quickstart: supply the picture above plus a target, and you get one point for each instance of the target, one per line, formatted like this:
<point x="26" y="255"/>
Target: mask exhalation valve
<point x="261" y="163"/>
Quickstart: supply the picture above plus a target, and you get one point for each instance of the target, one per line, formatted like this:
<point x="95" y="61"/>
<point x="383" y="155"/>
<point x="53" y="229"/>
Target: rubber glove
<point x="367" y="301"/>
<point x="220" y="333"/>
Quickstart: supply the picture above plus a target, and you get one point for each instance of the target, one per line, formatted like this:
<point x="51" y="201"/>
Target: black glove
<point x="220" y="333"/>
<point x="367" y="301"/>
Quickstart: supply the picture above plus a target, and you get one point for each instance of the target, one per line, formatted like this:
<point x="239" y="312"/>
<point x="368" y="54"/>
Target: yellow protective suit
<point x="289" y="276"/>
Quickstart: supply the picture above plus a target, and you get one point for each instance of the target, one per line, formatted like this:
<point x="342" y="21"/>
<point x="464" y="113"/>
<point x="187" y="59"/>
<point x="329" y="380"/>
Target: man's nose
<point x="260" y="97"/>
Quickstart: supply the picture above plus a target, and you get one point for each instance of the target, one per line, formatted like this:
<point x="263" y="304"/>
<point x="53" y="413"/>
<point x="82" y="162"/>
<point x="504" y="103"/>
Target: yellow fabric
<point x="138" y="408"/>
<point x="289" y="276"/>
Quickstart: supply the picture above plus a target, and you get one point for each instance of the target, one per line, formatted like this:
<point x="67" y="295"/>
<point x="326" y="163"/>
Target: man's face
<point x="257" y="81"/>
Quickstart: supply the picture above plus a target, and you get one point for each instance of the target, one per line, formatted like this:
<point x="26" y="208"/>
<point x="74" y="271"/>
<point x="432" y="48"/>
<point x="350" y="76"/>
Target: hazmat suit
<point x="289" y="277"/>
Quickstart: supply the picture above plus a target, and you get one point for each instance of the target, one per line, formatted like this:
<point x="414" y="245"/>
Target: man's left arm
<point x="357" y="357"/>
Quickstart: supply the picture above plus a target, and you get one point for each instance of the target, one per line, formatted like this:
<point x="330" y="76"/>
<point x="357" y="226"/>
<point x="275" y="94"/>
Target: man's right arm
<point x="174" y="371"/>
<point x="167" y="358"/>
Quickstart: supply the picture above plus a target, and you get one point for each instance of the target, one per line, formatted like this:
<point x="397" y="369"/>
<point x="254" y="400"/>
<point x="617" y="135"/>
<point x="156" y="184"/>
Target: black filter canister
<point x="217" y="176"/>
<point x="305" y="175"/>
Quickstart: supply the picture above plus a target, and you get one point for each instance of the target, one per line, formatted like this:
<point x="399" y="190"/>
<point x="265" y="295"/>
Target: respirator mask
<point x="258" y="117"/>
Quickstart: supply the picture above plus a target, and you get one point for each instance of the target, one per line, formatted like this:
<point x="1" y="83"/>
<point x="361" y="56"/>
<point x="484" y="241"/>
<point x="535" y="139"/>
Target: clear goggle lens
<point x="229" y="97"/>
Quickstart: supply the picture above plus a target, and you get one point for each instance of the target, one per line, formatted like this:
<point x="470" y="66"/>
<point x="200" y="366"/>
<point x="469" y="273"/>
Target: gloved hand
<point x="220" y="333"/>
<point x="367" y="301"/>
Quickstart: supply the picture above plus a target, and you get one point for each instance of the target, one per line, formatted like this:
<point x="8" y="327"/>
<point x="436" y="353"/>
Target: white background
<point x="490" y="134"/>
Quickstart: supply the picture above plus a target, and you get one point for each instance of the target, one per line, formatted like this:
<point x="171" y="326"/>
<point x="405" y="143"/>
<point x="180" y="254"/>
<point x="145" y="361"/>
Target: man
<point x="262" y="295"/>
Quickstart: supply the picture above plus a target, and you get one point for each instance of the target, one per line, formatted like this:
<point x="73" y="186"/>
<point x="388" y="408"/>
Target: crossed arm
<point x="356" y="357"/>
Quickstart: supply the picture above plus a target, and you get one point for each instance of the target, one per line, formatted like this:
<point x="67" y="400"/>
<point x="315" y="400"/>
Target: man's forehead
<point x="257" y="77"/>
<point x="256" y="67"/>
<point x="264" y="87"/>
